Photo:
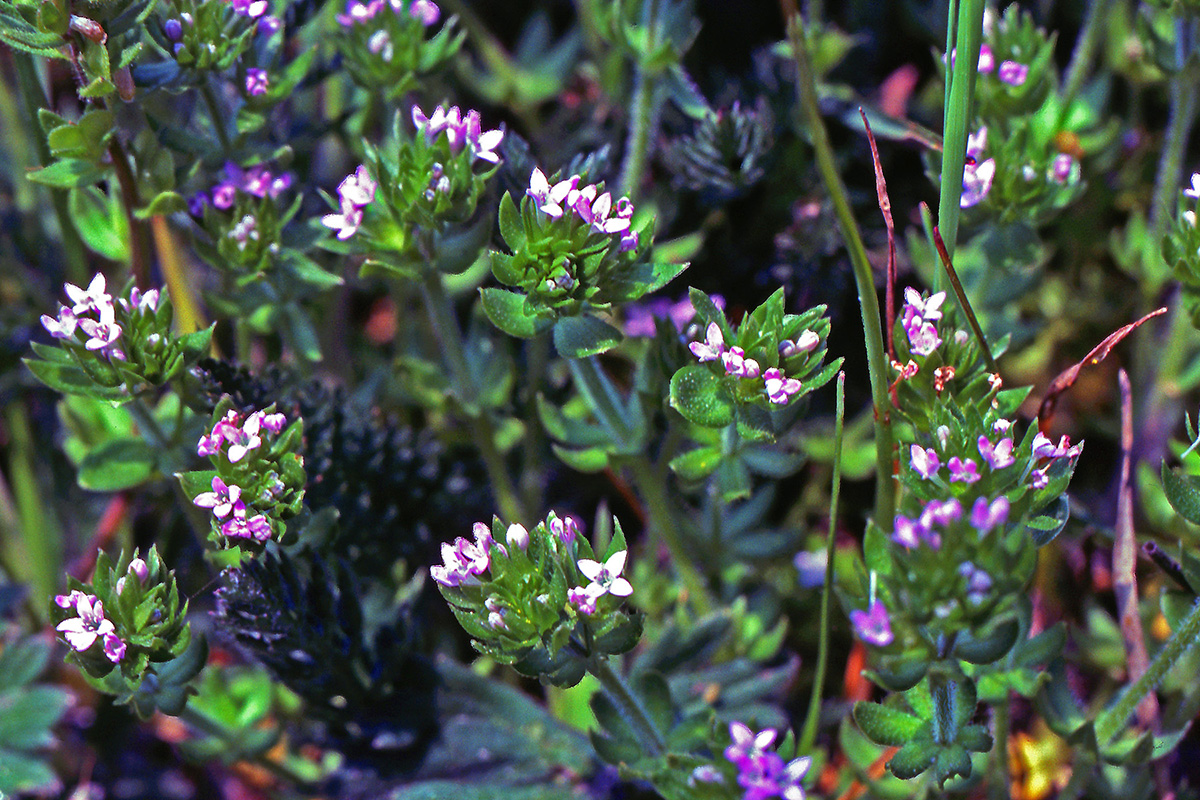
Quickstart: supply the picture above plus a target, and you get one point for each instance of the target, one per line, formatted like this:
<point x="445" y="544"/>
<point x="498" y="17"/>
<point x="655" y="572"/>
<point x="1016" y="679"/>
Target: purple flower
<point x="114" y="648"/>
<point x="1044" y="448"/>
<point x="64" y="326"/>
<point x="735" y="362"/>
<point x="963" y="471"/>
<point x="269" y="24"/>
<point x="1012" y="73"/>
<point x="873" y="626"/>
<point x="221" y="499"/>
<point x="69" y="600"/>
<point x="606" y="578"/>
<point x="140" y="302"/>
<point x="985" y="516"/>
<point x="549" y="197"/>
<point x="923" y="337"/>
<point x="976" y="144"/>
<point x="250" y="8"/>
<point x="196" y="204"/>
<point x="173" y="29"/>
<point x="461" y="131"/>
<point x="244" y="439"/>
<point x="748" y="746"/>
<point x="346" y="223"/>
<point x="924" y="461"/>
<point x="977" y="182"/>
<point x="256" y="81"/>
<point x="998" y="456"/>
<point x="1040" y="479"/>
<point x="941" y="513"/>
<point x="425" y="12"/>
<point x="713" y="346"/>
<point x="82" y="631"/>
<point x="226" y="427"/>
<point x="978" y="582"/>
<point x="357" y="12"/>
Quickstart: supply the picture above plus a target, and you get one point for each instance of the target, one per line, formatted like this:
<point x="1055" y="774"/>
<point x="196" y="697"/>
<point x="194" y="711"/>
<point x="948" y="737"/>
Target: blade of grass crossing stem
<point x="956" y="284"/>
<point x="864" y="278"/>
<point x="37" y="551"/>
<point x="885" y="207"/>
<point x="967" y="24"/>
<point x="808" y="735"/>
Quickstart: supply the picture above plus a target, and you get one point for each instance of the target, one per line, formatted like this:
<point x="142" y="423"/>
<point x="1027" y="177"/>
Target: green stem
<point x="629" y="706"/>
<point x="968" y="29"/>
<point x="885" y="487"/>
<point x="143" y="417"/>
<point x="1184" y="88"/>
<point x="808" y="735"/>
<point x="210" y="727"/>
<point x="139" y="244"/>
<point x="1112" y="721"/>
<point x="37" y="548"/>
<point x="535" y="440"/>
<point x="34" y="98"/>
<point x="998" y="772"/>
<point x="218" y="117"/>
<point x="1083" y="54"/>
<point x="642" y="120"/>
<point x="652" y="481"/>
<point x="454" y="351"/>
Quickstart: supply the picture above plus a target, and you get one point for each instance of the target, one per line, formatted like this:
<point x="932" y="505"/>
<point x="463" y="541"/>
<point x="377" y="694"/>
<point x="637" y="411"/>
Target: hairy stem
<point x="1112" y="721"/>
<point x="885" y="487"/>
<point x="1083" y="54"/>
<point x="454" y="351"/>
<point x="808" y="734"/>
<point x="643" y="117"/>
<point x="629" y="706"/>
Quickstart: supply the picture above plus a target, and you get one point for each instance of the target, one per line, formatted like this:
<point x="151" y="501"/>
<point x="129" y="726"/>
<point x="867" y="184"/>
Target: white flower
<point x="606" y="578"/>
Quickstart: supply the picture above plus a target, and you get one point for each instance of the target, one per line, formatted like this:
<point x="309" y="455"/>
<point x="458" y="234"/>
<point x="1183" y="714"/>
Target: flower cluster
<point x="1181" y="247"/>
<point x="918" y="318"/>
<point x="778" y="388"/>
<point x="256" y="181"/>
<point x="763" y="772"/>
<point x="509" y="589"/>
<point x="359" y="13"/>
<point x="89" y="625"/>
<point x="114" y="341"/>
<point x="387" y="44"/>
<point x="461" y="130"/>
<point x="589" y="204"/>
<point x="101" y="331"/>
<point x="207" y="35"/>
<point x="259" y="480"/>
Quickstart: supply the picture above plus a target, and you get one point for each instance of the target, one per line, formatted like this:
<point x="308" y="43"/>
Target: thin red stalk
<point x="885" y="206"/>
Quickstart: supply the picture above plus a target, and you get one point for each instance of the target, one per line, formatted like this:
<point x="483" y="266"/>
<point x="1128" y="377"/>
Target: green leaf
<point x="589" y="460"/>
<point x="101" y="223"/>
<point x="511" y="226"/>
<point x="989" y="648"/>
<point x="1183" y="493"/>
<point x="583" y="336"/>
<point x="912" y="759"/>
<point x="70" y="379"/>
<point x="116" y="465"/>
<point x="508" y="312"/>
<point x="884" y="725"/>
<point x="20" y="773"/>
<point x="699" y="396"/>
<point x="698" y="464"/>
<point x="21" y="662"/>
<point x="26" y="716"/>
<point x="1045" y="527"/>
<point x="622" y="638"/>
<point x="67" y="173"/>
<point x="162" y="204"/>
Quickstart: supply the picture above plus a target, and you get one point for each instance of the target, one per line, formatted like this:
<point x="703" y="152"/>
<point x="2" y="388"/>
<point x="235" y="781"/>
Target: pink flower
<point x="748" y="746"/>
<point x="1194" y="191"/>
<point x="977" y="182"/>
<point x="425" y="12"/>
<point x="1012" y="73"/>
<point x="93" y="298"/>
<point x="221" y="499"/>
<point x="101" y="334"/>
<point x="924" y="461"/>
<point x="873" y="626"/>
<point x="998" y="456"/>
<point x="243" y="440"/>
<point x="224" y="195"/>
<point x="908" y="533"/>
<point x="963" y="471"/>
<point x="1061" y="167"/>
<point x="780" y="389"/>
<point x="346" y="223"/>
<point x="985" y="516"/>
<point x="64" y="326"/>
<point x="82" y="631"/>
<point x="565" y="528"/>
<point x="735" y="362"/>
<point x="987" y="61"/>
<point x="584" y="599"/>
<point x="806" y="342"/>
<point x="256" y="81"/>
<point x="713" y="345"/>
<point x="238" y="526"/>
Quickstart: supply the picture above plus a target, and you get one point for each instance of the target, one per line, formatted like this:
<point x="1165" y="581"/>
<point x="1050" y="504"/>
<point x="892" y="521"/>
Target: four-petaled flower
<point x="1012" y="73"/>
<point x="102" y="333"/>
<point x="82" y="631"/>
<point x="925" y="461"/>
<point x="963" y="471"/>
<point x="256" y="81"/>
<point x="606" y="578"/>
<point x="64" y="326"/>
<point x="355" y="192"/>
<point x="997" y="456"/>
<point x="713" y="345"/>
<point x="985" y="515"/>
<point x="874" y="625"/>
<point x="238" y="526"/>
<point x="221" y="499"/>
<point x="93" y="298"/>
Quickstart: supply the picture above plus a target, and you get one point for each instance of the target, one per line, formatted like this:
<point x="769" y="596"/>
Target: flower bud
<point x="517" y="536"/>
